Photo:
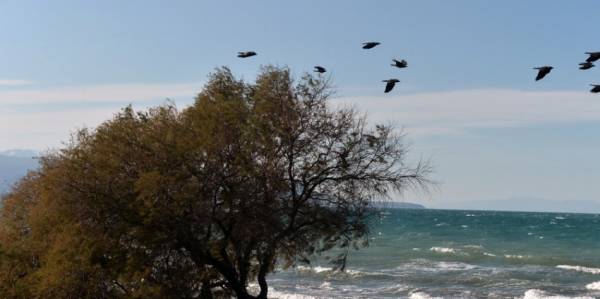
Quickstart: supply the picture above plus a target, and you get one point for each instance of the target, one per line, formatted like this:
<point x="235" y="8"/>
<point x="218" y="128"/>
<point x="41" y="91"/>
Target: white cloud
<point x="100" y="93"/>
<point x="42" y="130"/>
<point x="22" y="128"/>
<point x="454" y="111"/>
<point x="422" y="113"/>
<point x="14" y="82"/>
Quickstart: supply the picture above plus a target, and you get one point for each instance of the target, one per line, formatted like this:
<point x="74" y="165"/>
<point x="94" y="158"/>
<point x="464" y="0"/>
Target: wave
<point x="539" y="294"/>
<point x="580" y="269"/>
<point x="443" y="250"/>
<point x="422" y="295"/>
<point x="431" y="266"/>
<point x="316" y="269"/>
<point x="514" y="256"/>
<point x="593" y="286"/>
<point x="283" y="295"/>
<point x="473" y="246"/>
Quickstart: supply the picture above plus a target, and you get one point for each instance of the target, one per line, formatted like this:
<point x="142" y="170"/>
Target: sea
<point x="426" y="253"/>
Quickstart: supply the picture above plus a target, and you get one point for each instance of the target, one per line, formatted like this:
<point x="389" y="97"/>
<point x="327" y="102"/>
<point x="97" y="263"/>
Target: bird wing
<point x="389" y="86"/>
<point x="542" y="73"/>
<point x="593" y="56"/>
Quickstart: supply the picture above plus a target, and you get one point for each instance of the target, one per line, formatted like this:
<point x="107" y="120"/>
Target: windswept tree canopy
<point x="200" y="202"/>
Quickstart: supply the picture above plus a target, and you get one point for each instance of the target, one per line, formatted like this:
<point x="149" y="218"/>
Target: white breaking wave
<point x="317" y="269"/>
<point x="443" y="250"/>
<point x="422" y="295"/>
<point x="473" y="246"/>
<point x="593" y="286"/>
<point x="282" y="295"/>
<point x="580" y="269"/>
<point x="423" y="265"/>
<point x="513" y="256"/>
<point x="539" y="294"/>
<point x="489" y="254"/>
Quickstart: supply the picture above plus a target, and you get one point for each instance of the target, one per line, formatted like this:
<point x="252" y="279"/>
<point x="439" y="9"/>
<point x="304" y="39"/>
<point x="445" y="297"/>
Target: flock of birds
<point x="390" y="83"/>
<point x="588" y="64"/>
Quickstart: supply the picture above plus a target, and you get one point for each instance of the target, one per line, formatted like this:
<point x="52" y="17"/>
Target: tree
<point x="203" y="201"/>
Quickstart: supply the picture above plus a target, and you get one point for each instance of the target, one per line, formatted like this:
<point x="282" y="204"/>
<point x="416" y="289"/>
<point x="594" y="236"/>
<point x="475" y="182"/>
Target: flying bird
<point x="370" y="45"/>
<point x="593" y="56"/>
<point x="542" y="72"/>
<point x="400" y="63"/>
<point x="390" y="84"/>
<point x="596" y="88"/>
<point x="246" y="54"/>
<point x="586" y="65"/>
<point x="320" y="69"/>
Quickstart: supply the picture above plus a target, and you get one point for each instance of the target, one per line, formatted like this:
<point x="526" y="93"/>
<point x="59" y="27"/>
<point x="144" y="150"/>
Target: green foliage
<point x="200" y="202"/>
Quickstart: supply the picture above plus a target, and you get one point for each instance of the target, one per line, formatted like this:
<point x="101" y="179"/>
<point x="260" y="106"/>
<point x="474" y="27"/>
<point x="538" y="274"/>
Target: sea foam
<point x="422" y="295"/>
<point x="580" y="269"/>
<point x="593" y="286"/>
<point x="539" y="294"/>
<point x="443" y="250"/>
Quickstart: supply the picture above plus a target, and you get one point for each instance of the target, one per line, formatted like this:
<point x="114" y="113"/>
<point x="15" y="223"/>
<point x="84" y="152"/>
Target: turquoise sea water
<point x="461" y="254"/>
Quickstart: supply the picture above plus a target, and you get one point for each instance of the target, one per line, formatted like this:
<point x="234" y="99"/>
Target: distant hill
<point x="397" y="205"/>
<point x="14" y="164"/>
<point x="527" y="205"/>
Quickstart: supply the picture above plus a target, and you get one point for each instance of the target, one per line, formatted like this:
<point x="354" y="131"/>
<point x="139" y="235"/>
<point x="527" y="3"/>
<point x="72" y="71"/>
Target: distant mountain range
<point x="525" y="204"/>
<point x="14" y="164"/>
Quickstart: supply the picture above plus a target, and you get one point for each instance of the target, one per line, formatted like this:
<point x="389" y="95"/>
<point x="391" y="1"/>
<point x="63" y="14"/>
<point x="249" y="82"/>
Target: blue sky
<point x="467" y="100"/>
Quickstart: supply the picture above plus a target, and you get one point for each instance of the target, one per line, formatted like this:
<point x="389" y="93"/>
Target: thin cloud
<point x="100" y="93"/>
<point x="14" y="82"/>
<point x="456" y="111"/>
<point x="439" y="113"/>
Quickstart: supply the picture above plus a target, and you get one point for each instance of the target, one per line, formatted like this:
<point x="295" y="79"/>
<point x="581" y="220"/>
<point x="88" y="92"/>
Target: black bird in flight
<point x="596" y="88"/>
<point x="593" y="56"/>
<point x="390" y="84"/>
<point x="320" y="69"/>
<point x="400" y="63"/>
<point x="370" y="45"/>
<point x="246" y="54"/>
<point x="542" y="71"/>
<point x="586" y="65"/>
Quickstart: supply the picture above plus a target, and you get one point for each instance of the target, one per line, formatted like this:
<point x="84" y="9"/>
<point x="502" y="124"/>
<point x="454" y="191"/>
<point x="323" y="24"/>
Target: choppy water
<point x="462" y="254"/>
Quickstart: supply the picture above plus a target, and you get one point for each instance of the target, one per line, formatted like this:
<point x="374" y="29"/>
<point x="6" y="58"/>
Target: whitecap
<point x="580" y="269"/>
<point x="282" y="295"/>
<point x="539" y="294"/>
<point x="325" y="285"/>
<point x="489" y="254"/>
<point x="593" y="286"/>
<point x="422" y="295"/>
<point x="473" y="246"/>
<point x="443" y="250"/>
<point x="426" y="265"/>
<point x="319" y="269"/>
<point x="514" y="256"/>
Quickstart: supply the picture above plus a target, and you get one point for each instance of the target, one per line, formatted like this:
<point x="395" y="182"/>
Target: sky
<point x="467" y="101"/>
